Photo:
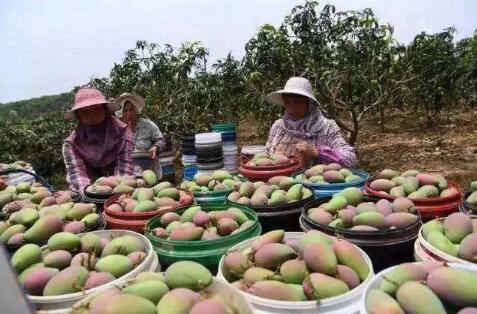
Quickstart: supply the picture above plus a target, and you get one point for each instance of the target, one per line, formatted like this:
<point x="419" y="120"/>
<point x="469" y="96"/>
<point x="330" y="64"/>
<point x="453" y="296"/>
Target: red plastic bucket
<point x="263" y="173"/>
<point x="429" y="208"/>
<point x="136" y="221"/>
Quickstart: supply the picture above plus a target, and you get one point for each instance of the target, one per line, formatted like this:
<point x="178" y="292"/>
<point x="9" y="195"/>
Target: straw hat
<point x="295" y="85"/>
<point x="86" y="97"/>
<point x="136" y="100"/>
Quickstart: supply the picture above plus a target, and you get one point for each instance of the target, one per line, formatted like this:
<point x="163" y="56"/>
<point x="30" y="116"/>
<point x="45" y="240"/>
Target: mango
<point x="277" y="290"/>
<point x="347" y="215"/>
<point x="468" y="310"/>
<point x="320" y="258"/>
<point x="402" y="204"/>
<point x="457" y="226"/>
<point x="306" y="193"/>
<point x="336" y="203"/>
<point x="201" y="219"/>
<point x="345" y="172"/>
<point x="226" y="226"/>
<point x="235" y="265"/>
<point x="173" y="225"/>
<point x="85" y="260"/>
<point x="348" y="255"/>
<point x="188" y="214"/>
<point x="25" y="256"/>
<point x="26" y="217"/>
<point x="161" y="186"/>
<point x="186" y="274"/>
<point x="319" y="286"/>
<point x="256" y="274"/>
<point x="271" y="255"/>
<point x="337" y="223"/>
<point x="397" y="191"/>
<point x="382" y="185"/>
<point x="401" y="274"/>
<point x="411" y="185"/>
<point x="74" y="227"/>
<point x="149" y="177"/>
<point x="472" y="198"/>
<point x="145" y="206"/>
<point x="429" y="190"/>
<point x="69" y="280"/>
<point x="353" y="195"/>
<point x="353" y="178"/>
<point x="426" y="179"/>
<point x="384" y="207"/>
<point x="58" y="259"/>
<point x="11" y="231"/>
<point x="91" y="220"/>
<point x="23" y="187"/>
<point x="278" y="197"/>
<point x="169" y="192"/>
<point x="295" y="193"/>
<point x="417" y="195"/>
<point x="178" y="301"/>
<point x="123" y="245"/>
<point x="149" y="275"/>
<point x="55" y="210"/>
<point x="264" y="189"/>
<point x="263" y="162"/>
<point x="441" y="242"/>
<point x="456" y="286"/>
<point x="313" y="236"/>
<point x="129" y="205"/>
<point x="246" y="189"/>
<point x="401" y="220"/>
<point x="209" y="306"/>
<point x="244" y="226"/>
<point x="5" y="199"/>
<point x="399" y="180"/>
<point x="276" y="180"/>
<point x="36" y="281"/>
<point x="169" y="217"/>
<point x="153" y="290"/>
<point x="144" y="194"/>
<point x="16" y="239"/>
<point x="349" y="276"/>
<point x="4" y="226"/>
<point x="316" y="179"/>
<point x="80" y="210"/>
<point x="410" y="173"/>
<point x="366" y="207"/>
<point x="27" y="271"/>
<point x="387" y="174"/>
<point x="122" y="304"/>
<point x="372" y="219"/>
<point x="96" y="279"/>
<point x="432" y="226"/>
<point x="468" y="248"/>
<point x="378" y="302"/>
<point x="117" y="265"/>
<point x="123" y="188"/>
<point x="64" y="241"/>
<point x="186" y="234"/>
<point x="91" y="243"/>
<point x="449" y="192"/>
<point x="315" y="170"/>
<point x="321" y="216"/>
<point x="259" y="199"/>
<point x="333" y="176"/>
<point x="239" y="216"/>
<point x="273" y="236"/>
<point x="293" y="271"/>
<point x="414" y="297"/>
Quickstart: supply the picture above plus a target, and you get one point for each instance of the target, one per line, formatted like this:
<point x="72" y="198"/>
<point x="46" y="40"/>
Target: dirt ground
<point x="405" y="144"/>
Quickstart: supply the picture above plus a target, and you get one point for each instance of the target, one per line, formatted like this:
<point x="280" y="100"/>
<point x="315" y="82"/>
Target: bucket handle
<point x="36" y="176"/>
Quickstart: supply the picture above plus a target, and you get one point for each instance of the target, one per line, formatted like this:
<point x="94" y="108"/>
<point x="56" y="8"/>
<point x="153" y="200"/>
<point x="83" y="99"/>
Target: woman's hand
<point x="153" y="152"/>
<point x="306" y="150"/>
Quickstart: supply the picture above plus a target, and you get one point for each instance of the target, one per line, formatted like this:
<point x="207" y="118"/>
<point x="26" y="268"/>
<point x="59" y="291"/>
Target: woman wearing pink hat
<point x="304" y="130"/>
<point x="100" y="145"/>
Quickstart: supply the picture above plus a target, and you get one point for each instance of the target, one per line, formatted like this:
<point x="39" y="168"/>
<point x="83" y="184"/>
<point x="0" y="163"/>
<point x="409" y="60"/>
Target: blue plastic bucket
<point x="325" y="190"/>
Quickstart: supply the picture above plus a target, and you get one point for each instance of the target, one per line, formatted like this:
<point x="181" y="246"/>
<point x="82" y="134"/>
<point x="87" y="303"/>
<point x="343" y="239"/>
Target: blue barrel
<point x="326" y="190"/>
<point x="189" y="171"/>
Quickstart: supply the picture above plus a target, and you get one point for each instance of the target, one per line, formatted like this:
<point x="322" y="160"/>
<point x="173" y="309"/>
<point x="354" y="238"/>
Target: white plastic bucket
<point x="346" y="303"/>
<point x="208" y="138"/>
<point x="62" y="304"/>
<point x="376" y="281"/>
<point x="18" y="177"/>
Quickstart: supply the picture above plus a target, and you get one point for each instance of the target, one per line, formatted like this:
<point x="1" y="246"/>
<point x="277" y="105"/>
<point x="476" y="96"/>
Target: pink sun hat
<point x="89" y="96"/>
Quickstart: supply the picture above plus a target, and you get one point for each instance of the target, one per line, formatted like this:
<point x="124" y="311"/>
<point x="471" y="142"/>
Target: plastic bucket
<point x="346" y="303"/>
<point x="429" y="208"/>
<point x="15" y="178"/>
<point x="207" y="253"/>
<point x="134" y="221"/>
<point x="62" y="303"/>
<point x="376" y="281"/>
<point x="467" y="208"/>
<point x="263" y="173"/>
<point x="283" y="216"/>
<point x="216" y="197"/>
<point x="427" y="250"/>
<point x="325" y="190"/>
<point x="385" y="247"/>
<point x="189" y="172"/>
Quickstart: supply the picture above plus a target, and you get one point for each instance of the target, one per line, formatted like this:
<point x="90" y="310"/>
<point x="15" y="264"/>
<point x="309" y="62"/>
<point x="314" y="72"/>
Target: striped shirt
<point x="79" y="174"/>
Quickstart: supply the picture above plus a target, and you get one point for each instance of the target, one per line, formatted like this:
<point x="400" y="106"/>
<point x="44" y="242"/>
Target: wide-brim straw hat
<point x="136" y="100"/>
<point x="295" y="85"/>
<point x="86" y="97"/>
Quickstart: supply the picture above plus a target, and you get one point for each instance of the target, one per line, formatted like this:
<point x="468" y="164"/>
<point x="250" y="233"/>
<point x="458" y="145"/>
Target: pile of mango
<point x="346" y="210"/>
<point x="412" y="184"/>
<point x="181" y="289"/>
<point x="122" y="184"/>
<point x="263" y="160"/>
<point x="278" y="190"/>
<point x="162" y="195"/>
<point x="472" y="198"/>
<point x="19" y="164"/>
<point x="221" y="180"/>
<point x="196" y="224"/>
<point x="328" y="174"/>
<point x="314" y="267"/>
<point x="455" y="235"/>
<point x="73" y="263"/>
<point x="428" y="287"/>
<point x="37" y="225"/>
<point x="30" y="195"/>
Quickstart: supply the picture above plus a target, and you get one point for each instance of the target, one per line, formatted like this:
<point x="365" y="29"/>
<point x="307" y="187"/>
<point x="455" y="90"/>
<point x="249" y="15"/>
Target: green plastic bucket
<point x="212" y="197"/>
<point x="207" y="253"/>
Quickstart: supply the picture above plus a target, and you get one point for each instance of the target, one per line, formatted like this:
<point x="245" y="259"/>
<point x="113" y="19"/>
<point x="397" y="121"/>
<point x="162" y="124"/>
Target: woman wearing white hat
<point x="304" y="129"/>
<point x="148" y="138"/>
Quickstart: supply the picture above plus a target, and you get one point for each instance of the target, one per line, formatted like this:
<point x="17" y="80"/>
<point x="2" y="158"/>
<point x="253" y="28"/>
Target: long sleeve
<point x="336" y="149"/>
<point x="76" y="173"/>
<point x="125" y="164"/>
<point x="157" y="138"/>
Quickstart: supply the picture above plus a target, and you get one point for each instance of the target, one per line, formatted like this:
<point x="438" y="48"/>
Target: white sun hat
<point x="295" y="85"/>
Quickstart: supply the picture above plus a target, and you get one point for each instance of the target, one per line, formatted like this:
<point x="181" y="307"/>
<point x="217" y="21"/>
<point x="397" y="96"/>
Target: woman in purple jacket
<point x="304" y="130"/>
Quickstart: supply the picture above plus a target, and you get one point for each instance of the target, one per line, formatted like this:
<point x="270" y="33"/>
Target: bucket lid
<point x="203" y="138"/>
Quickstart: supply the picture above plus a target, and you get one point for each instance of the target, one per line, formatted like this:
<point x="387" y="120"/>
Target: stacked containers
<point x="228" y="132"/>
<point x="189" y="158"/>
<point x="166" y="161"/>
<point x="208" y="147"/>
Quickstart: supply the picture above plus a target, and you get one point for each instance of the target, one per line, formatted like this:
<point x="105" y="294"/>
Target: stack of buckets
<point x="166" y="161"/>
<point x="189" y="158"/>
<point x="208" y="148"/>
<point x="228" y="132"/>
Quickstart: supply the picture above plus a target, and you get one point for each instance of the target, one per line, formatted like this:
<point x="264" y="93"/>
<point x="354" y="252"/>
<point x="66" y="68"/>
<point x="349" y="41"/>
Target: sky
<point x="50" y="46"/>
